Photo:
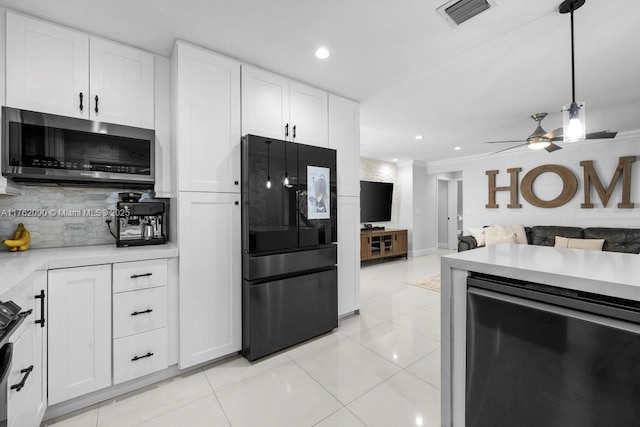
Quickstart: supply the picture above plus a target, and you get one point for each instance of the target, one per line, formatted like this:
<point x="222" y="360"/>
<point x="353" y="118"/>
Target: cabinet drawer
<point x="130" y="276"/>
<point x="22" y="360"/>
<point x="139" y="355"/>
<point x="139" y="311"/>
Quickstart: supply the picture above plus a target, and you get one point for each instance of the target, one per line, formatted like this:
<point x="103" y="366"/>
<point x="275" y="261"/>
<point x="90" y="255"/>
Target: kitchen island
<point x="602" y="273"/>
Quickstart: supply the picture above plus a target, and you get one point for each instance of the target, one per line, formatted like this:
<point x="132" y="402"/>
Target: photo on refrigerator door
<point x="318" y="200"/>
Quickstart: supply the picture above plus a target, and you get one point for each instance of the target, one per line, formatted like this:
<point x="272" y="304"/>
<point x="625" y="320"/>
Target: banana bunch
<point x="20" y="241"/>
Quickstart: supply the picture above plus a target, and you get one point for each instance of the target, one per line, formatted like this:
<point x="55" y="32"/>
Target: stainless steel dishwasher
<point x="540" y="355"/>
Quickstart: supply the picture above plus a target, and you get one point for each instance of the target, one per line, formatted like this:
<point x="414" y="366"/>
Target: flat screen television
<point x="375" y="201"/>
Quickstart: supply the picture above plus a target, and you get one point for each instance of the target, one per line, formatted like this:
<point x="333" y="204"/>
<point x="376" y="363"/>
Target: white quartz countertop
<point x="16" y="266"/>
<point x="606" y="273"/>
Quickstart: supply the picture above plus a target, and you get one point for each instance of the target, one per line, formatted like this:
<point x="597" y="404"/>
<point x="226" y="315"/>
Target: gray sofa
<point x="615" y="239"/>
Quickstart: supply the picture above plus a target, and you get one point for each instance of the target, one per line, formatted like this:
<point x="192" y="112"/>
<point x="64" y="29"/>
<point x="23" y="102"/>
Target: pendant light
<point x="573" y="114"/>
<point x="268" y="165"/>
<point x="286" y="181"/>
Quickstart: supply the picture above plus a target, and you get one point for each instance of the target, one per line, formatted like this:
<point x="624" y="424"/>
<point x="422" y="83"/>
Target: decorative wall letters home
<point x="569" y="185"/>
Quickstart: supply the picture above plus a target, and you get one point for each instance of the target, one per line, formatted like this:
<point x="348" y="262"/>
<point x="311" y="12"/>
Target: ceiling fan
<point x="541" y="139"/>
<point x="573" y="113"/>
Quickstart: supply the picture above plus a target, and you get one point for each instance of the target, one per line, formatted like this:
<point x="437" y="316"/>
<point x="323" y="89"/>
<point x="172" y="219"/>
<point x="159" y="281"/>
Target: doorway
<point x="443" y="214"/>
<point x="449" y="196"/>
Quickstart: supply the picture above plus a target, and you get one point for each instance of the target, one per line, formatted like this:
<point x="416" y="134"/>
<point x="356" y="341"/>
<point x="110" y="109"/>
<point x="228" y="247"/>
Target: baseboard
<point x="90" y="399"/>
<point x="423" y="252"/>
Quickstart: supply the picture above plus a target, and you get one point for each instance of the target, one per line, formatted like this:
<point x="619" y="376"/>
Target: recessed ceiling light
<point x="419" y="137"/>
<point x="322" y="53"/>
<point x="457" y="148"/>
<point x="395" y="160"/>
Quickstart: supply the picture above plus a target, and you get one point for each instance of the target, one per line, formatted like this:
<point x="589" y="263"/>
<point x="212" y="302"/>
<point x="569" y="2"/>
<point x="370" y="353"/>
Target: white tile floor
<point x="379" y="368"/>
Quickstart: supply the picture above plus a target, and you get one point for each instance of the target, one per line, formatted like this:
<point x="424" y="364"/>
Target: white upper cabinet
<point x="47" y="67"/>
<point x="344" y="136"/>
<point x="265" y="103"/>
<point x="276" y="107"/>
<point x="57" y="70"/>
<point x="308" y="115"/>
<point x="207" y="119"/>
<point x="121" y="84"/>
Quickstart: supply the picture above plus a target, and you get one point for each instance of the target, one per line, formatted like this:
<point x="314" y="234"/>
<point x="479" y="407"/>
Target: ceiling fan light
<point x="539" y="144"/>
<point x="573" y="122"/>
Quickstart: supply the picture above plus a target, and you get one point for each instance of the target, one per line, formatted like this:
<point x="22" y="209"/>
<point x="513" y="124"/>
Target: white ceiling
<point x="411" y="71"/>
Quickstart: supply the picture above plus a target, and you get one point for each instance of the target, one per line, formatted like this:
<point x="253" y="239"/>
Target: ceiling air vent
<point x="456" y="12"/>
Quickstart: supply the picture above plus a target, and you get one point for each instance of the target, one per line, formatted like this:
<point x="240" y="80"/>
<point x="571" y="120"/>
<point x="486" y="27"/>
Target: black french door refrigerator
<point x="289" y="235"/>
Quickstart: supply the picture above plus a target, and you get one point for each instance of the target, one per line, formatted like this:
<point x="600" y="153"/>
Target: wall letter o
<point x="569" y="186"/>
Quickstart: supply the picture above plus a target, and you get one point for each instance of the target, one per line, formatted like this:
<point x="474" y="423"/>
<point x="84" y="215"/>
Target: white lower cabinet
<point x="26" y="382"/>
<point x="139" y="354"/>
<point x="140" y="334"/>
<point x="210" y="276"/>
<point x="139" y="311"/>
<point x="79" y="330"/>
<point x="19" y="382"/>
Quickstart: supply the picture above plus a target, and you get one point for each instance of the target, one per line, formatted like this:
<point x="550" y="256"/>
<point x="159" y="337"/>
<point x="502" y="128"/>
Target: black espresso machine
<point x="141" y="222"/>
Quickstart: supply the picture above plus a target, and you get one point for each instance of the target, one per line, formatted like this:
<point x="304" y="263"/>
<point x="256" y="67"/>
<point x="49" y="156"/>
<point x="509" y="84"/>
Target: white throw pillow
<point x="586" y="244"/>
<point x="496" y="240"/>
<point x="478" y="234"/>
<point x="508" y="230"/>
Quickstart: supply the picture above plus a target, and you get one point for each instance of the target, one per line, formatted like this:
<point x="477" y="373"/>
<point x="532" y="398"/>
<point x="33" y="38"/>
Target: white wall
<point x="404" y="190"/>
<point x="605" y="155"/>
<point x="417" y="195"/>
<point x="424" y="224"/>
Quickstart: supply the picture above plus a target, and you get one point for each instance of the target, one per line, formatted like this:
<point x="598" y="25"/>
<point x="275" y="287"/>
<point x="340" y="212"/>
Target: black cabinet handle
<point x="294" y="131"/>
<point x="135" y="313"/>
<point x="286" y="129"/>
<point x="26" y="313"/>
<point x="141" y="357"/>
<point x="135" y="276"/>
<point x="20" y="385"/>
<point x="236" y="203"/>
<point x="41" y="297"/>
<point x="236" y="182"/>
<point x="96" y="104"/>
<point x="81" y="106"/>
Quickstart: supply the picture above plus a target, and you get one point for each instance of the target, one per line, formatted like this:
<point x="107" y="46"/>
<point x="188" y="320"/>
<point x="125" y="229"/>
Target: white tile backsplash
<point x="48" y="228"/>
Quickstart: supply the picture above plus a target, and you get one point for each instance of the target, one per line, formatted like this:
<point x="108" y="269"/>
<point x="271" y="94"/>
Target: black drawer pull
<point x="135" y="276"/>
<point x="141" y="357"/>
<point x="41" y="297"/>
<point x="20" y="385"/>
<point x="135" y="313"/>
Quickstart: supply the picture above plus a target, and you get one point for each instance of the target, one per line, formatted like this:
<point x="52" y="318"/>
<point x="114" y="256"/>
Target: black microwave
<point x="41" y="148"/>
